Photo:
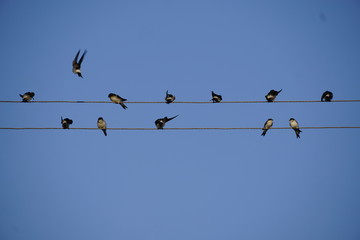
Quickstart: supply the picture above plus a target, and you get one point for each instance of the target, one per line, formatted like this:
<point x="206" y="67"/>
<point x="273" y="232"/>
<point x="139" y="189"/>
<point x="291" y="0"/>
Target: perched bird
<point x="295" y="125"/>
<point x="160" y="123"/>
<point x="169" y="98"/>
<point x="270" y="97"/>
<point x="27" y="96"/>
<point x="77" y="65"/>
<point x="66" y="122"/>
<point x="117" y="99"/>
<point x="215" y="97"/>
<point x="102" y="125"/>
<point x="268" y="124"/>
<point x="327" y="96"/>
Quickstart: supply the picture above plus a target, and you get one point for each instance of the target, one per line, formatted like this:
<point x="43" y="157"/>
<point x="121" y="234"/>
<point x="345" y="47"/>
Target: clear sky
<point x="176" y="184"/>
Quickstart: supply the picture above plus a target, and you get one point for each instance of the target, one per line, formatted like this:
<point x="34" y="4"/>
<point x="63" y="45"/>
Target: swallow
<point x="117" y="99"/>
<point x="268" y="124"/>
<point x="66" y="122"/>
<point x="102" y="125"/>
<point x="327" y="96"/>
<point x="270" y="97"/>
<point x="26" y="97"/>
<point x="77" y="65"/>
<point x="169" y="98"/>
<point x="215" y="97"/>
<point x="160" y="123"/>
<point x="295" y="125"/>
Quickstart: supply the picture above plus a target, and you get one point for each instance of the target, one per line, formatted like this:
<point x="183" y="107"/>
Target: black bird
<point x="295" y="125"/>
<point x="102" y="125"/>
<point x="327" y="96"/>
<point x="270" y="97"/>
<point x="215" y="97"/>
<point x="160" y="123"/>
<point x="66" y="122"/>
<point x="77" y="65"/>
<point x="268" y="124"/>
<point x="118" y="100"/>
<point x="169" y="98"/>
<point x="27" y="96"/>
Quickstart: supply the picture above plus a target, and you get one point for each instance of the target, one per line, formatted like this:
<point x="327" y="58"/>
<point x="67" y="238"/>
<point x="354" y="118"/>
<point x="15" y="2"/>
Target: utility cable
<point x="208" y="128"/>
<point x="187" y="102"/>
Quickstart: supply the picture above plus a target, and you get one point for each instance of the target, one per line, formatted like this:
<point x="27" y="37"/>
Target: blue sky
<point x="77" y="184"/>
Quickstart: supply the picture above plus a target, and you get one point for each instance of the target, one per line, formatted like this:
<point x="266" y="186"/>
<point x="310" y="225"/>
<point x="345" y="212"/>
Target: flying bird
<point x="26" y="97"/>
<point x="169" y="98"/>
<point x="160" y="123"/>
<point x="268" y="124"/>
<point x="327" y="96"/>
<point x="215" y="97"/>
<point x="66" y="122"/>
<point x="102" y="125"/>
<point x="118" y="100"/>
<point x="295" y="125"/>
<point x="77" y="65"/>
<point x="270" y="97"/>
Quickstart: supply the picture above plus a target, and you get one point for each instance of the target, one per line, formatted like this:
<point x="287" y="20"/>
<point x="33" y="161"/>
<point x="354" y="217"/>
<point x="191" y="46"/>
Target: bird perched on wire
<point x="77" y="65"/>
<point x="295" y="125"/>
<point x="270" y="97"/>
<point x="26" y="97"/>
<point x="66" y="123"/>
<point x="118" y="100"/>
<point x="216" y="97"/>
<point x="160" y="123"/>
<point x="101" y="123"/>
<point x="169" y="98"/>
<point x="268" y="124"/>
<point x="327" y="96"/>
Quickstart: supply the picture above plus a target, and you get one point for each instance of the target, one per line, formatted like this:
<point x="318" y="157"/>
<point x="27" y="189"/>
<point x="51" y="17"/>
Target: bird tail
<point x="171" y="118"/>
<point x="297" y="132"/>
<point x="280" y="91"/>
<point x="123" y="105"/>
<point x="104" y="130"/>
<point x="264" y="132"/>
<point x="79" y="74"/>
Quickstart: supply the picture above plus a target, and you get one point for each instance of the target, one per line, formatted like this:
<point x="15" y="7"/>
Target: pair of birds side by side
<point x="292" y="122"/>
<point x="66" y="122"/>
<point x="159" y="123"/>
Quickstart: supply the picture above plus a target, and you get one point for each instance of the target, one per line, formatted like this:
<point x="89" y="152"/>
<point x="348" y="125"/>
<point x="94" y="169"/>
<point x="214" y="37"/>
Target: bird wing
<point x="82" y="58"/>
<point x="76" y="57"/>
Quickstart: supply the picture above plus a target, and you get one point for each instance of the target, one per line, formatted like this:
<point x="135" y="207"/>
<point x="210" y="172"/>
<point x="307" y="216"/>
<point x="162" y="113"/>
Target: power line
<point x="208" y="128"/>
<point x="186" y="102"/>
